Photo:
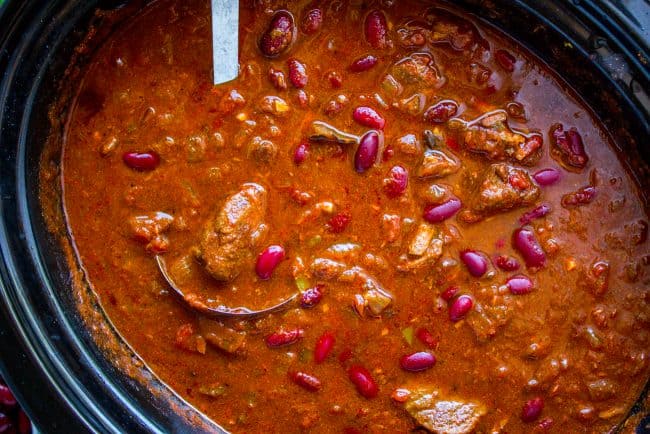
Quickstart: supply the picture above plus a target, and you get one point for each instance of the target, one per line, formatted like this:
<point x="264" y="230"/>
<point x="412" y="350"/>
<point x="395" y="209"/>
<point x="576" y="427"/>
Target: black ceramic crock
<point x="64" y="380"/>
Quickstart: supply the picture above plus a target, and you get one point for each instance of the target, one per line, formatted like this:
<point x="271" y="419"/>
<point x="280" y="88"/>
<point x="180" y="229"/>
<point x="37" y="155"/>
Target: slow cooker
<point x="62" y="371"/>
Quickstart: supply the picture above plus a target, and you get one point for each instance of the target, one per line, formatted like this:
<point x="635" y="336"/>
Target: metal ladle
<point x="225" y="40"/>
<point x="221" y="312"/>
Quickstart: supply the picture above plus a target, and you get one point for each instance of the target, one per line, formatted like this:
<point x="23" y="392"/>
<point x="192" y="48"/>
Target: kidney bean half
<point x="368" y="117"/>
<point x="440" y="213"/>
<point x="536" y="213"/>
<point x="519" y="284"/>
<point x="142" y="161"/>
<point x="396" y="182"/>
<point x="547" y="177"/>
<point x="376" y="29"/>
<point x="476" y="263"/>
<point x="284" y="337"/>
<point x="301" y="152"/>
<point x="297" y="73"/>
<point x="363" y="381"/>
<point x="525" y="242"/>
<point x="324" y="346"/>
<point x="416" y="362"/>
<point x="367" y="151"/>
<point x="311" y="296"/>
<point x="279" y="35"/>
<point x="427" y="338"/>
<point x="306" y="381"/>
<point x="312" y="21"/>
<point x="441" y="112"/>
<point x="459" y="307"/>
<point x="449" y="293"/>
<point x="507" y="263"/>
<point x="532" y="409"/>
<point x="363" y="63"/>
<point x="268" y="260"/>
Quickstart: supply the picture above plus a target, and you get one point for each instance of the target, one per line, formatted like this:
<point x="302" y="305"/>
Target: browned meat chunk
<point x="491" y="136"/>
<point x="418" y="69"/>
<point x="424" y="249"/>
<point x="502" y="188"/>
<point x="437" y="164"/>
<point x="229" y="239"/>
<point x="443" y="416"/>
<point x="220" y="336"/>
<point x="453" y="30"/>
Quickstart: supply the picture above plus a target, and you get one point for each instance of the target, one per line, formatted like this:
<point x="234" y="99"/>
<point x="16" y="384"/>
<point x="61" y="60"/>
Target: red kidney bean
<point x="440" y="213"/>
<point x="536" y="213"/>
<point x="459" y="307"/>
<point x="519" y="284"/>
<point x="368" y="117"/>
<point x="324" y="346"/>
<point x="297" y="73"/>
<point x="6" y="396"/>
<point x="569" y="145"/>
<point x="525" y="242"/>
<point x="143" y="161"/>
<point x="301" y="152"/>
<point x="427" y="338"/>
<point x="312" y="21"/>
<point x="338" y="222"/>
<point x="311" y="296"/>
<point x="580" y="197"/>
<point x="306" y="381"/>
<point x="278" y="79"/>
<point x="366" y="155"/>
<point x="505" y="60"/>
<point x="376" y="29"/>
<point x="546" y="177"/>
<point x="476" y="263"/>
<point x="279" y="35"/>
<point x="284" y="337"/>
<point x="441" y="112"/>
<point x="268" y="260"/>
<point x="449" y="293"/>
<point x="507" y="263"/>
<point x="416" y="362"/>
<point x="363" y="381"/>
<point x="363" y="63"/>
<point x="396" y="182"/>
<point x="532" y="409"/>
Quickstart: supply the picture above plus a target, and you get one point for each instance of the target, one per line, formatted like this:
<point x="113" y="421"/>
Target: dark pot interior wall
<point x="65" y="380"/>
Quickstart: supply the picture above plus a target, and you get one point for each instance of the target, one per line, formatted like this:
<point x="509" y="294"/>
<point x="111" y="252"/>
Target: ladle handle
<point x="225" y="40"/>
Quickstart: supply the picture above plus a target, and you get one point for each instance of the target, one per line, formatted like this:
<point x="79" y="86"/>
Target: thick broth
<point x="578" y="341"/>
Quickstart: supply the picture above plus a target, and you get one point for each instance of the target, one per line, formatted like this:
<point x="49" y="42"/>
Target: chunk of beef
<point x="374" y="298"/>
<point x="229" y="239"/>
<point x="502" y="188"/>
<point x="437" y="164"/>
<point x="452" y="30"/>
<point x="262" y="151"/>
<point x="490" y="135"/>
<point x="418" y="69"/>
<point x="149" y="229"/>
<point x="441" y="415"/>
<point x="220" y="336"/>
<point x="424" y="249"/>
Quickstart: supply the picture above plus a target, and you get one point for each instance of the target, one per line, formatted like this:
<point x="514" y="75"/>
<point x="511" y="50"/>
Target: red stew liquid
<point x="468" y="251"/>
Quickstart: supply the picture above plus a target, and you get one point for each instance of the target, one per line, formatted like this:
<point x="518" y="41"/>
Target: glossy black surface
<point x="65" y="382"/>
